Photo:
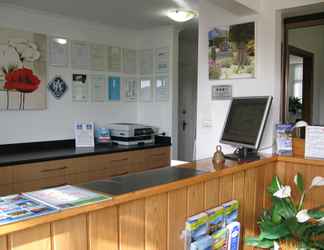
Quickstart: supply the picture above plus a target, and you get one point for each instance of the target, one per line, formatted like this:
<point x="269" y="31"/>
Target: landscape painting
<point x="23" y="70"/>
<point x="232" y="52"/>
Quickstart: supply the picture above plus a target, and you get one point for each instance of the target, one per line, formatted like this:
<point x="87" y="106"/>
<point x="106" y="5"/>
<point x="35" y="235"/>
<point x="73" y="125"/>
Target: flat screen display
<point x="245" y="120"/>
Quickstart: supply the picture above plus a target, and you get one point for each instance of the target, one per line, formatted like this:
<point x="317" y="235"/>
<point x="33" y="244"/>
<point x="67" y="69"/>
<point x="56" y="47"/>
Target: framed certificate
<point x="80" y="55"/>
<point x="162" y="88"/>
<point x="59" y="52"/>
<point x="114" y="88"/>
<point x="146" y="90"/>
<point x="98" y="88"/>
<point x="130" y="89"/>
<point x="162" y="60"/>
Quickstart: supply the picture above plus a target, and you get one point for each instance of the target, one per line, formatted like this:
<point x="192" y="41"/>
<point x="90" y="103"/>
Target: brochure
<point x="284" y="139"/>
<point x="19" y="207"/>
<point x="67" y="196"/>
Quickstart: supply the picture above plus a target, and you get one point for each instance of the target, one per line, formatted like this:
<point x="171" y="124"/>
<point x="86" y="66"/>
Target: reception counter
<point x="152" y="218"/>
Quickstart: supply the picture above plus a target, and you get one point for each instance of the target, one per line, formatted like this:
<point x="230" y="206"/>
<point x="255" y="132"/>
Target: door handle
<point x="184" y="125"/>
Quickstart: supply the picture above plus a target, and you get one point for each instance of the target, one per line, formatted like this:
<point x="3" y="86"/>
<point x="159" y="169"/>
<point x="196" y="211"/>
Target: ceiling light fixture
<point x="181" y="15"/>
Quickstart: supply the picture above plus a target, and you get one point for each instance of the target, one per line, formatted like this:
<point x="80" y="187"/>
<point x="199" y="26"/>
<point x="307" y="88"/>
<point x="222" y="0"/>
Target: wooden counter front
<point x="153" y="218"/>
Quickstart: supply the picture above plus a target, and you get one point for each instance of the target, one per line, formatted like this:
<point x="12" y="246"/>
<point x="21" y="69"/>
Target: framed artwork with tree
<point x="23" y="70"/>
<point x="232" y="52"/>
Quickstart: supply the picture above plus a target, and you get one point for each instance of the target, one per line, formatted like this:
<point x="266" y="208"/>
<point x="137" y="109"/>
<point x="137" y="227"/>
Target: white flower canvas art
<point x="23" y="70"/>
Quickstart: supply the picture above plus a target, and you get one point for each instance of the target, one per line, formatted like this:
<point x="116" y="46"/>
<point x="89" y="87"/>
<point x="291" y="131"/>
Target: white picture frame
<point x="58" y="51"/>
<point x="130" y="89"/>
<point x="162" y="60"/>
<point x="80" y="55"/>
<point x="130" y="59"/>
<point x="146" y="89"/>
<point x="146" y="61"/>
<point x="162" y="88"/>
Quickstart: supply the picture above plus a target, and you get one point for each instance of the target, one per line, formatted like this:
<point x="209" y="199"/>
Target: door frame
<point x="294" y="23"/>
<point x="308" y="66"/>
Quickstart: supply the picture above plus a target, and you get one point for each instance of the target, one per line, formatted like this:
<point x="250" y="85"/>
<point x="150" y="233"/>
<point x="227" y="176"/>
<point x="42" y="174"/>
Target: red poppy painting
<point x="22" y="80"/>
<point x="22" y="70"/>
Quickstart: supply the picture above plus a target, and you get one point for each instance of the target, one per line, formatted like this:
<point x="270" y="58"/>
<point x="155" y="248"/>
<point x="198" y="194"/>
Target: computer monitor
<point x="244" y="126"/>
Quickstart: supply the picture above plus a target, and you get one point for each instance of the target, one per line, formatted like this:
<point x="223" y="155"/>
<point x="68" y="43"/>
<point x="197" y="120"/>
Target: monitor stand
<point x="243" y="155"/>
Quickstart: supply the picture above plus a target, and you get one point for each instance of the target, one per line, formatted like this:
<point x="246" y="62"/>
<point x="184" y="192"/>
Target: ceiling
<point x="134" y="14"/>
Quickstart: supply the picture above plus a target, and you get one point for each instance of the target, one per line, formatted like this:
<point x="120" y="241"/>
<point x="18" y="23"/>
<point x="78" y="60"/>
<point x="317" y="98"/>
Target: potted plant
<point x="288" y="220"/>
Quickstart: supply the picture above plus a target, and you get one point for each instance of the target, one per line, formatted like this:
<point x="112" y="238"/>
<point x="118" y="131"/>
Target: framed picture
<point x="59" y="51"/>
<point x="231" y="52"/>
<point x="114" y="58"/>
<point x="162" y="60"/>
<point x="80" y="88"/>
<point x="80" y="55"/>
<point x="114" y="88"/>
<point x="98" y="88"/>
<point x="146" y="62"/>
<point x="146" y="90"/>
<point x="162" y="88"/>
<point x="98" y="57"/>
<point x="23" y="70"/>
<point x="130" y="89"/>
<point x="129" y="59"/>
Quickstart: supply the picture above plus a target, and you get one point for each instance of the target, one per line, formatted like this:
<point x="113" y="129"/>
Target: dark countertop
<point x="37" y="152"/>
<point x="138" y="181"/>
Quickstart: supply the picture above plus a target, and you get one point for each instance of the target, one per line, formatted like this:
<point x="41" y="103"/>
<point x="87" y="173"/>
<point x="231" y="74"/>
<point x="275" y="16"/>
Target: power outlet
<point x="221" y="92"/>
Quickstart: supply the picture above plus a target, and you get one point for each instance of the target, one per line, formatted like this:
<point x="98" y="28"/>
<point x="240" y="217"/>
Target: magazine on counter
<point x="67" y="196"/>
<point x="19" y="207"/>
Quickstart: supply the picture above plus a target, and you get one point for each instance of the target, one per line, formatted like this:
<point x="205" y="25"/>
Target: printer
<point x="131" y="133"/>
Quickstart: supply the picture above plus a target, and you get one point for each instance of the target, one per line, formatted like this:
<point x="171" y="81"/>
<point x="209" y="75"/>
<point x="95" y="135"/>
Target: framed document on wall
<point x="129" y="58"/>
<point x="146" y="62"/>
<point x="80" y="88"/>
<point x="59" y="52"/>
<point x="80" y="55"/>
<point x="114" y="58"/>
<point x="114" y="88"/>
<point x="146" y="90"/>
<point x="130" y="89"/>
<point x="162" y="60"/>
<point x="98" y="56"/>
<point x="98" y="88"/>
<point x="162" y="89"/>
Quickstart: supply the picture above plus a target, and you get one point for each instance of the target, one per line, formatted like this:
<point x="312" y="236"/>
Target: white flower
<point x="30" y="54"/>
<point x="302" y="216"/>
<point x="8" y="58"/>
<point x="276" y="245"/>
<point x="283" y="192"/>
<point x="26" y="50"/>
<point x="317" y="182"/>
<point x="321" y="221"/>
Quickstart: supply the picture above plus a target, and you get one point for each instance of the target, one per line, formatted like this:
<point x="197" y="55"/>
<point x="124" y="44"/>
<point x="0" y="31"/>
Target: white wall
<point x="55" y="123"/>
<point x="162" y="114"/>
<point x="268" y="70"/>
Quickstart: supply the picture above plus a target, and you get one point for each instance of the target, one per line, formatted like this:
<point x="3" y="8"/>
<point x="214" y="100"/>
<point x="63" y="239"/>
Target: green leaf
<point x="318" y="244"/>
<point x="283" y="208"/>
<point x="274" y="185"/>
<point x="299" y="183"/>
<point x="273" y="232"/>
<point x="316" y="230"/>
<point x="255" y="242"/>
<point x="316" y="214"/>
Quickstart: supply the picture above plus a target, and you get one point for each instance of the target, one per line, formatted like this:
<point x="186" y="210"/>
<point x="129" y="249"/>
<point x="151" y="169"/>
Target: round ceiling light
<point x="181" y="15"/>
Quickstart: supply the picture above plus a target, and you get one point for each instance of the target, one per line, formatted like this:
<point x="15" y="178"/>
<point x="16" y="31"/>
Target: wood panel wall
<point x="287" y="172"/>
<point x="153" y="223"/>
